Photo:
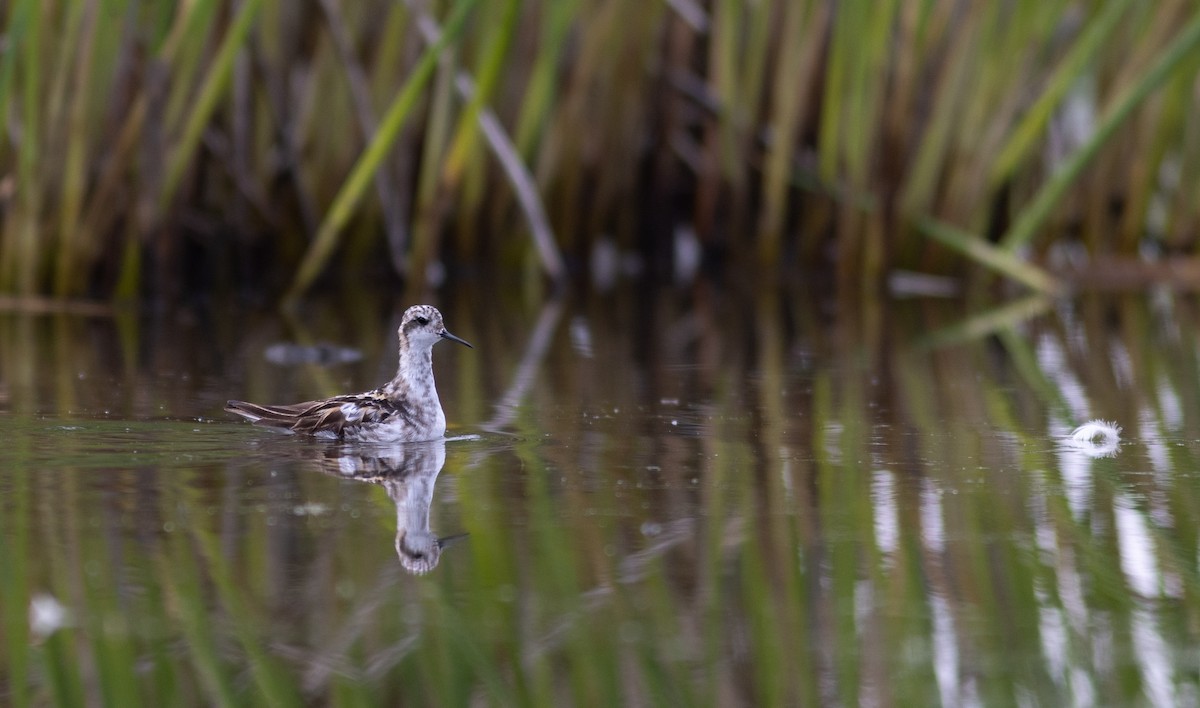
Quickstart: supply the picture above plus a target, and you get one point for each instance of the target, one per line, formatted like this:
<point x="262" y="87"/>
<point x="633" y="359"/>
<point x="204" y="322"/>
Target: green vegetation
<point x="784" y="516"/>
<point x="152" y="148"/>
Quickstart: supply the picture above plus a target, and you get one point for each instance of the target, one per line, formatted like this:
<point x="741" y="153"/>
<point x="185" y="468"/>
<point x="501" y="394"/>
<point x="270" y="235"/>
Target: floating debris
<point x="320" y="354"/>
<point x="311" y="509"/>
<point x="1096" y="438"/>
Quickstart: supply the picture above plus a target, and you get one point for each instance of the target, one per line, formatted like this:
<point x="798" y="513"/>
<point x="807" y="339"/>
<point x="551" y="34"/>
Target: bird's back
<point x="367" y="417"/>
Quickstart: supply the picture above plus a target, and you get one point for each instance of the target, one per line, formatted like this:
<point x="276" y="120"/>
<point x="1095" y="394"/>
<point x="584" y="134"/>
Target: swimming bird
<point x="405" y="409"/>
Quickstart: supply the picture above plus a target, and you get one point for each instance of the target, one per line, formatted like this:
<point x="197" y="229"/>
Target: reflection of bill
<point x="1096" y="438"/>
<point x="408" y="471"/>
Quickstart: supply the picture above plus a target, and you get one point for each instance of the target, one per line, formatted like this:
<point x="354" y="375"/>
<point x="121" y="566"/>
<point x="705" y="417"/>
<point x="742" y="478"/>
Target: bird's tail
<point x="267" y="415"/>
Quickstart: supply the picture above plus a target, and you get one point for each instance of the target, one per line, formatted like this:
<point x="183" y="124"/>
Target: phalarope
<point x="406" y="409"/>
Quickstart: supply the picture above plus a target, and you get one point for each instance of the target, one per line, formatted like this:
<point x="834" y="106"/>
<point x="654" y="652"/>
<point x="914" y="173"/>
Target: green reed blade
<point x="491" y="67"/>
<point x="429" y="214"/>
<point x="14" y="33"/>
<point x="1024" y="138"/>
<point x="100" y="621"/>
<point x="275" y="688"/>
<point x="986" y="254"/>
<point x="1180" y="204"/>
<point x="353" y="188"/>
<point x="1158" y="131"/>
<point x="62" y="66"/>
<point x="1025" y="362"/>
<point x="100" y="211"/>
<point x="986" y="323"/>
<point x="395" y="213"/>
<point x="869" y="88"/>
<point x="723" y="58"/>
<point x="215" y="83"/>
<point x="15" y="579"/>
<point x="27" y="251"/>
<point x="933" y="154"/>
<point x="69" y="259"/>
<point x="188" y="44"/>
<point x="1033" y="216"/>
<point x="542" y="88"/>
<point x="180" y="579"/>
<point x="388" y="66"/>
<point x="61" y="667"/>
<point x="798" y="55"/>
<point x="470" y="650"/>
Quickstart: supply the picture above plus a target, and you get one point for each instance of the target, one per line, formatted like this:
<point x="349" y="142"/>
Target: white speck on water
<point x="311" y="509"/>
<point x="581" y="337"/>
<point x="47" y="614"/>
<point x="674" y="422"/>
<point x="1096" y="438"/>
<point x="669" y="401"/>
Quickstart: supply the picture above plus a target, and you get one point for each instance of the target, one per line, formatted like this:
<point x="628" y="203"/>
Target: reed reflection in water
<point x="682" y="500"/>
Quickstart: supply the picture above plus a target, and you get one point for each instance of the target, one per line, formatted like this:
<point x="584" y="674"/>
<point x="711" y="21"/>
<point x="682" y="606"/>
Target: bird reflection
<point x="408" y="471"/>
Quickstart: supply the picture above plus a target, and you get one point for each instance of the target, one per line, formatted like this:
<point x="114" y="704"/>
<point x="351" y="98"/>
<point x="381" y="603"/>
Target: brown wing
<point x="330" y="416"/>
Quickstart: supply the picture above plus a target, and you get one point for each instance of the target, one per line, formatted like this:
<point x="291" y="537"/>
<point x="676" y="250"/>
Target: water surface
<point x="683" y="498"/>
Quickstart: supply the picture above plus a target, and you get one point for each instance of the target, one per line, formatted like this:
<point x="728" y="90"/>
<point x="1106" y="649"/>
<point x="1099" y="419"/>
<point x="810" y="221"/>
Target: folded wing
<point x="328" y="417"/>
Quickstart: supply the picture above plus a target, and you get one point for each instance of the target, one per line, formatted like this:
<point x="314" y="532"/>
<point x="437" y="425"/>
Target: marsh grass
<point x="212" y="143"/>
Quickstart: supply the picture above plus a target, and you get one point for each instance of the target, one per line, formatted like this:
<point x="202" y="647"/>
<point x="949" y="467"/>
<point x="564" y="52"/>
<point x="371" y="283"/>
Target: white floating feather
<point x="1096" y="438"/>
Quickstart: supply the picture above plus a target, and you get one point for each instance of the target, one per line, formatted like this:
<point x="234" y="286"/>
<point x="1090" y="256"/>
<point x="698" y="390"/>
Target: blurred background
<point x="168" y="149"/>
<point x="784" y="314"/>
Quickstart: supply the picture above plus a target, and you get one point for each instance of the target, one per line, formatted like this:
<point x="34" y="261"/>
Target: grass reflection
<point x="675" y="505"/>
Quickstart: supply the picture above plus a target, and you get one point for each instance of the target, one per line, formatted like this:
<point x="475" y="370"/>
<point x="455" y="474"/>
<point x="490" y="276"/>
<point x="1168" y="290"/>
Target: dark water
<point x="686" y="498"/>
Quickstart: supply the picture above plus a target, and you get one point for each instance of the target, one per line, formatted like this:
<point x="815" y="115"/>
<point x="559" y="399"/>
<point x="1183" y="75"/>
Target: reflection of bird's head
<point x="420" y="551"/>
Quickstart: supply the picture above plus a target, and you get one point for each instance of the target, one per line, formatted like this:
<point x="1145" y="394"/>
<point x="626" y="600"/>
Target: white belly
<point x="399" y="430"/>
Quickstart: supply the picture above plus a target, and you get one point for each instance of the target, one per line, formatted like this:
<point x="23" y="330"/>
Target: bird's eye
<point x="422" y="320"/>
